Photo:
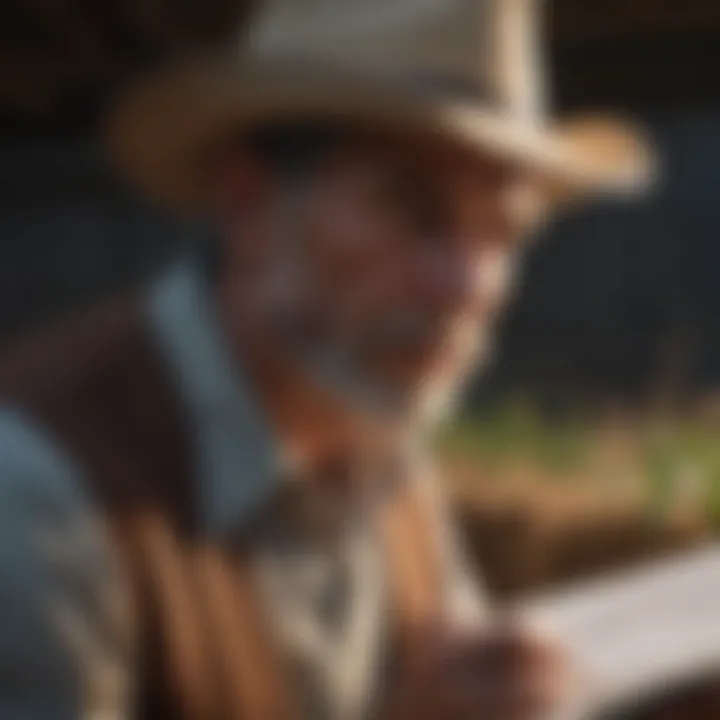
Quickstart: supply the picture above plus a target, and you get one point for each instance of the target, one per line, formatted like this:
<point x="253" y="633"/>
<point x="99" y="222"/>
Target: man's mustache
<point x="418" y="331"/>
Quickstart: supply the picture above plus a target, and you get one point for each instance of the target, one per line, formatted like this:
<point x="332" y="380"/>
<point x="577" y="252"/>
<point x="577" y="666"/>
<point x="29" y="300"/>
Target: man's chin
<point x="424" y="398"/>
<point x="432" y="396"/>
<point x="412" y="377"/>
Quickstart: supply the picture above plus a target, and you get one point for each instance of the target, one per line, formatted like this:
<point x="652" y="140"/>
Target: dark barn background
<point x="619" y="302"/>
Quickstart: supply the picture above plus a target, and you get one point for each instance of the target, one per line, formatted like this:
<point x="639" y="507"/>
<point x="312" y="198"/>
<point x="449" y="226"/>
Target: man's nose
<point x="445" y="281"/>
<point x="468" y="282"/>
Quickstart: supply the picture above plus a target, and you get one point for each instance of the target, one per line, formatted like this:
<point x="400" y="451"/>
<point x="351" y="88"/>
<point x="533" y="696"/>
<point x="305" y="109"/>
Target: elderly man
<point x="213" y="499"/>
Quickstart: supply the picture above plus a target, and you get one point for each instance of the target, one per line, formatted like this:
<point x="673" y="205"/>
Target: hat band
<point x="455" y="87"/>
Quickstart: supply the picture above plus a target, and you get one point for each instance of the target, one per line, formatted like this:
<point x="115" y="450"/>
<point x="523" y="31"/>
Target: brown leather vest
<point x="98" y="385"/>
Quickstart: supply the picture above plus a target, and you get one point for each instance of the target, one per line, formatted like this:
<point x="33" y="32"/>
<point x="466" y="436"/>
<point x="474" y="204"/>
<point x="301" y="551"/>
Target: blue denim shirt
<point x="64" y="652"/>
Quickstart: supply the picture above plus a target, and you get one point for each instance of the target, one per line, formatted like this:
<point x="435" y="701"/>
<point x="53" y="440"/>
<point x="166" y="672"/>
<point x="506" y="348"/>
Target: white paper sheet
<point x="640" y="632"/>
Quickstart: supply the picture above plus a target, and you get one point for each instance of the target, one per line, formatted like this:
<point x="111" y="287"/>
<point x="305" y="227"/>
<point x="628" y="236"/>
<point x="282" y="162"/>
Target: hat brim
<point x="164" y="130"/>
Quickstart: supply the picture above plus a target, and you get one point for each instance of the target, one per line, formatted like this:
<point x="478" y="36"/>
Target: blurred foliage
<point x="516" y="430"/>
<point x="682" y="462"/>
<point x="675" y="462"/>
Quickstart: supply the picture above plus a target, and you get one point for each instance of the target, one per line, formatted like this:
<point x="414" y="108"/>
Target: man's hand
<point x="505" y="673"/>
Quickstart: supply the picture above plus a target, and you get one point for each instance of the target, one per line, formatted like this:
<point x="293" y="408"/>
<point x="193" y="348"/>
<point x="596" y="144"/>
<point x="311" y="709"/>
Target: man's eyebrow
<point x="297" y="148"/>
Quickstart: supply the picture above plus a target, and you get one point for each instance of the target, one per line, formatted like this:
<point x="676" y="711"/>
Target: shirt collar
<point x="238" y="458"/>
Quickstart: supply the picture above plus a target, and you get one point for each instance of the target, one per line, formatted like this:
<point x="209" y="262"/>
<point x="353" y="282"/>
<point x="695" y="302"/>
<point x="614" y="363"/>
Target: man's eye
<point x="425" y="213"/>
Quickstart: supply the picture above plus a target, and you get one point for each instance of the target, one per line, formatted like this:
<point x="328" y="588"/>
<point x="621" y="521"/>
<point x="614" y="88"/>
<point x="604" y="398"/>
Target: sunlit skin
<point x="398" y="256"/>
<point x="381" y="245"/>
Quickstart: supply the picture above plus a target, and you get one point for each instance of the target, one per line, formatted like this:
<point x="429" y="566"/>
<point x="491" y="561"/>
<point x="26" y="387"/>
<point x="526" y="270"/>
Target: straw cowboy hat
<point x="466" y="72"/>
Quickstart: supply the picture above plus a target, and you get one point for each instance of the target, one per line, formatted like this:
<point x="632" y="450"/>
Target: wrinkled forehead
<point x="473" y="188"/>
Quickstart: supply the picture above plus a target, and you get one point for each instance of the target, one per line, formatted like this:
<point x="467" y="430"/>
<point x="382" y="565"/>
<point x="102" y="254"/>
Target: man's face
<point x="386" y="269"/>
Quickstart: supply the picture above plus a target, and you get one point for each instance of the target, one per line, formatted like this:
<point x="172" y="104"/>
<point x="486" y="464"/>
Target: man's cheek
<point x="470" y="345"/>
<point x="494" y="277"/>
<point x="339" y="225"/>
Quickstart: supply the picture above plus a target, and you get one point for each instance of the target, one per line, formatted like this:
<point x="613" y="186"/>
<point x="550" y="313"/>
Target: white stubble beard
<point x="334" y="367"/>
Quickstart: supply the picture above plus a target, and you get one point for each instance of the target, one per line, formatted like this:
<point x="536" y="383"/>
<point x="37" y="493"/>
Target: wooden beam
<point x="57" y="50"/>
<point x="660" y="71"/>
<point x="621" y="19"/>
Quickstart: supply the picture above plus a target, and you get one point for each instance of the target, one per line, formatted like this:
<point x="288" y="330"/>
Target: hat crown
<point x="485" y="50"/>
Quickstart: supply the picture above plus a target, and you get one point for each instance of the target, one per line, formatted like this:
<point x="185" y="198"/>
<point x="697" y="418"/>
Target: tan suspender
<point x="219" y="647"/>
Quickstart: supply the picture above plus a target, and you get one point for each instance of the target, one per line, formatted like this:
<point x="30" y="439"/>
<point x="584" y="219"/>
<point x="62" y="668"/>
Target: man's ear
<point x="240" y="184"/>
